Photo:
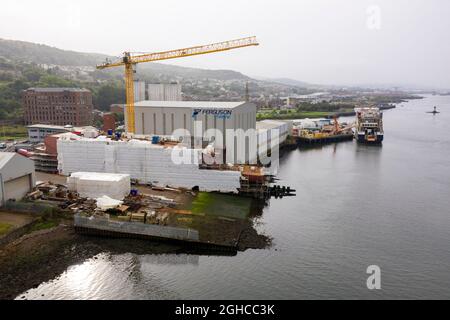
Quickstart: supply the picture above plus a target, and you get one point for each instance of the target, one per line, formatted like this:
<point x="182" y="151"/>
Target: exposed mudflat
<point x="43" y="255"/>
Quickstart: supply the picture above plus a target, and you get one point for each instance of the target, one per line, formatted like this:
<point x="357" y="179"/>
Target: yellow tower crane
<point x="129" y="61"/>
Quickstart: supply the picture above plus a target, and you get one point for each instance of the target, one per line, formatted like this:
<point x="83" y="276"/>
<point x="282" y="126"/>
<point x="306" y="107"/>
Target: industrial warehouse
<point x="164" y="117"/>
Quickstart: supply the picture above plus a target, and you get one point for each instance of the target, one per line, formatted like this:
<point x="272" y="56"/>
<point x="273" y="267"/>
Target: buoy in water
<point x="434" y="111"/>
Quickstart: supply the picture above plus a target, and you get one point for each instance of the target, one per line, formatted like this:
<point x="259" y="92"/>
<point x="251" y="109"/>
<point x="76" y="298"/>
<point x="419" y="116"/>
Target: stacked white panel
<point x="143" y="161"/>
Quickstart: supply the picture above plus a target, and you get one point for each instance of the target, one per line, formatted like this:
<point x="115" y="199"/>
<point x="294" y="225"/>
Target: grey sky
<point x="318" y="41"/>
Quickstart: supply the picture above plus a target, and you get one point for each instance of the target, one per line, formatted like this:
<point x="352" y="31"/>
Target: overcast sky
<point x="318" y="41"/>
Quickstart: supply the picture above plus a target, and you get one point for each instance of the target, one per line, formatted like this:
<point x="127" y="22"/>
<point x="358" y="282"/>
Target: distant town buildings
<point x="292" y="101"/>
<point x="38" y="132"/>
<point x="57" y="106"/>
<point x="164" y="92"/>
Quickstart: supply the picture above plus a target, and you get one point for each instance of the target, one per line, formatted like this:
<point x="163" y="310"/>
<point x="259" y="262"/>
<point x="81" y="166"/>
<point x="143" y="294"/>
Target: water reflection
<point x="355" y="206"/>
<point x="102" y="276"/>
<point x="167" y="259"/>
<point x="115" y="276"/>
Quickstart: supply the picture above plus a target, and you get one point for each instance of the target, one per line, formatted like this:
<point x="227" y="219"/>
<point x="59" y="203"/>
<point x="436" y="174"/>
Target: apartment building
<point x="57" y="106"/>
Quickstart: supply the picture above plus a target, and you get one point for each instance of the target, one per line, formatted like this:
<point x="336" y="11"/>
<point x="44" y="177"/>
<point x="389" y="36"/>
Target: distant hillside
<point x="290" y="82"/>
<point x="21" y="51"/>
<point x="42" y="54"/>
<point x="195" y="73"/>
<point x="25" y="64"/>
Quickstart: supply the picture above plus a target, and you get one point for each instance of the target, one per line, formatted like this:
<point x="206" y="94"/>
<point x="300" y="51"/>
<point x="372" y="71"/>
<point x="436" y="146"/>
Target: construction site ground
<point x="220" y="219"/>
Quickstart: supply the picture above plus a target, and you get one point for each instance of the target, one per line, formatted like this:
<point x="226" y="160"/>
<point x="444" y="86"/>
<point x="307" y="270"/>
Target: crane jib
<point x="129" y="61"/>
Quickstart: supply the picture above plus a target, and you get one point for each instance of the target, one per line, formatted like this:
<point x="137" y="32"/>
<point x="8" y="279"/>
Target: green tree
<point x="51" y="81"/>
<point x="109" y="94"/>
<point x="32" y="75"/>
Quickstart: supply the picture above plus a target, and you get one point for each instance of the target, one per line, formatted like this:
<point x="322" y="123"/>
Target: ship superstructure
<point x="369" y="125"/>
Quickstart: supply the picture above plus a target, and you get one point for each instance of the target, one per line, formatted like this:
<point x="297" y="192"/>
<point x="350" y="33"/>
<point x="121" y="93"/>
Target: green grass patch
<point x="44" y="224"/>
<point x="292" y="115"/>
<point x="11" y="138"/>
<point x="11" y="132"/>
<point x="5" y="228"/>
<point x="223" y="205"/>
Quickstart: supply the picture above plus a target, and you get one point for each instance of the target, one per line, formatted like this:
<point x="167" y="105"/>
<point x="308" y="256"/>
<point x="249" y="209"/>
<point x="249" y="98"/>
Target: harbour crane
<point x="129" y="61"/>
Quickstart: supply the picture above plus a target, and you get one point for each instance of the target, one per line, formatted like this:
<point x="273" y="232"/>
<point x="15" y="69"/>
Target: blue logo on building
<point x="218" y="113"/>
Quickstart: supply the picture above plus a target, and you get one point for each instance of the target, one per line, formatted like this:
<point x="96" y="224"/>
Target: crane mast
<point x="129" y="61"/>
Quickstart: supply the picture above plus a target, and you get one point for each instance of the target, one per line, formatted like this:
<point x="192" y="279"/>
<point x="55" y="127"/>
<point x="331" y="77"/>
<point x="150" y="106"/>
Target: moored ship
<point x="320" y="131"/>
<point x="369" y="125"/>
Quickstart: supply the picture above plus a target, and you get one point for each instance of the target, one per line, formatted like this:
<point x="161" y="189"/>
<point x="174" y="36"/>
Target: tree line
<point x="14" y="78"/>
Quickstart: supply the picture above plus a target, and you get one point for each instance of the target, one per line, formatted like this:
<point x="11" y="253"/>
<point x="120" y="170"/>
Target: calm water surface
<point x="355" y="206"/>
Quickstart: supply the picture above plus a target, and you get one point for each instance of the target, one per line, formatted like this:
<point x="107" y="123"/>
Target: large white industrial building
<point x="16" y="176"/>
<point x="272" y="133"/>
<point x="164" y="92"/>
<point x="162" y="118"/>
<point x="139" y="91"/>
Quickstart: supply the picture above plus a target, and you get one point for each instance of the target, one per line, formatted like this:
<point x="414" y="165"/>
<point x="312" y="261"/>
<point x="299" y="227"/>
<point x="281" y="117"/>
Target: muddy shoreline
<point x="44" y="255"/>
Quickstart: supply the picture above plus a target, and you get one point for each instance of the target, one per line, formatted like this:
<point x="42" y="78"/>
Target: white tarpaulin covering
<point x="146" y="162"/>
<point x="95" y="185"/>
<point x="104" y="203"/>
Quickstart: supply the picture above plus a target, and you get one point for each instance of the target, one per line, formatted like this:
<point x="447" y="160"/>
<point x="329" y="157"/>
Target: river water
<point x="356" y="206"/>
